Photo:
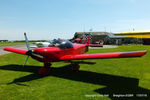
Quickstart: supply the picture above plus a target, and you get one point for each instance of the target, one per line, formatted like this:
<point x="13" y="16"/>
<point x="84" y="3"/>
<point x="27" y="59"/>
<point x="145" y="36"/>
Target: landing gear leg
<point x="75" y="67"/>
<point x="46" y="69"/>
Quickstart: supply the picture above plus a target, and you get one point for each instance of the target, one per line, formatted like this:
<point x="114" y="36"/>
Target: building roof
<point x="102" y="34"/>
<point x="94" y="33"/>
<point x="136" y="32"/>
<point x="117" y="37"/>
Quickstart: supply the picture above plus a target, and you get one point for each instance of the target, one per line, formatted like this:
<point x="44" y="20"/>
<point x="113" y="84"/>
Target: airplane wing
<point x="16" y="50"/>
<point x="104" y="55"/>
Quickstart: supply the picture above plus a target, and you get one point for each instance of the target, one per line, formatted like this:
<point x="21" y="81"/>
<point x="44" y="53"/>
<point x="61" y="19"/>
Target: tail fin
<point x="89" y="37"/>
<point x="88" y="42"/>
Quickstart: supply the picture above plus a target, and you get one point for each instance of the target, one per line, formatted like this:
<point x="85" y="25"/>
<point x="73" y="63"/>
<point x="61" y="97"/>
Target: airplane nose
<point x="37" y="51"/>
<point x="40" y="51"/>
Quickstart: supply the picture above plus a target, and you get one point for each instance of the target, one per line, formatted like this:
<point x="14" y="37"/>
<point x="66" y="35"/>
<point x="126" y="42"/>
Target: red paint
<point x="16" y="50"/>
<point x="104" y="55"/>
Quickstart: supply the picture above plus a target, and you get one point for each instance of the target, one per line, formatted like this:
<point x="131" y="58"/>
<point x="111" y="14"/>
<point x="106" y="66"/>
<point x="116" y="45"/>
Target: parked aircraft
<point x="40" y="44"/>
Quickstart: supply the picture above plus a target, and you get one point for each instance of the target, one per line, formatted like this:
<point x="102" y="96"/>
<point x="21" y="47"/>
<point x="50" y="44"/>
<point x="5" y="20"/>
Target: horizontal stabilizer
<point x="16" y="50"/>
<point x="104" y="55"/>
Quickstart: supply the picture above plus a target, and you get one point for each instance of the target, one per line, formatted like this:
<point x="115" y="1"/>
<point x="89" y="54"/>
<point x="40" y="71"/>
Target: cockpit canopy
<point x="62" y="44"/>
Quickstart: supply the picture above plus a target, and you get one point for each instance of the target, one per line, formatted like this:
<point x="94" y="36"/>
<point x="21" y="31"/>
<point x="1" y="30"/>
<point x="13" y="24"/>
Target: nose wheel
<point x="45" y="70"/>
<point x="75" y="67"/>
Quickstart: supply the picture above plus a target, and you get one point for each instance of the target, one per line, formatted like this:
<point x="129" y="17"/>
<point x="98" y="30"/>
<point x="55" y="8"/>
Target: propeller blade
<point x="27" y="42"/>
<point x="29" y="52"/>
<point x="25" y="61"/>
<point x="37" y="55"/>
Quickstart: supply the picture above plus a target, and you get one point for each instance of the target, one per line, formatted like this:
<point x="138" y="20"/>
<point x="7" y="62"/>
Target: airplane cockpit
<point x="62" y="44"/>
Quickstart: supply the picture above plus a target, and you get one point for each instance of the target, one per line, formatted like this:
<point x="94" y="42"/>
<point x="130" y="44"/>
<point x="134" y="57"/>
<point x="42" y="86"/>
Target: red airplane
<point x="63" y="50"/>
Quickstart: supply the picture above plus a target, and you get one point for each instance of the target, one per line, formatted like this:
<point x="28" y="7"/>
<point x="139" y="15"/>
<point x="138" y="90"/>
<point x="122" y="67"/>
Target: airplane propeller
<point x="27" y="42"/>
<point x="30" y="51"/>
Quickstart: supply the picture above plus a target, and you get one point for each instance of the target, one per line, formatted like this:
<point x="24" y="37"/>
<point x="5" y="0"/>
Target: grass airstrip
<point x="11" y="43"/>
<point x="98" y="79"/>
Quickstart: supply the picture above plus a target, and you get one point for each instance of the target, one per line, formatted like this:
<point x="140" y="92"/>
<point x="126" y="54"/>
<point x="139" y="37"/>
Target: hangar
<point x="143" y="35"/>
<point x="106" y="38"/>
<point x="97" y="37"/>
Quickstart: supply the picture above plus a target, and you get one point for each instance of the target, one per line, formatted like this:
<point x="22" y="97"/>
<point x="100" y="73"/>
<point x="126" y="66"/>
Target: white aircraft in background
<point x="40" y="44"/>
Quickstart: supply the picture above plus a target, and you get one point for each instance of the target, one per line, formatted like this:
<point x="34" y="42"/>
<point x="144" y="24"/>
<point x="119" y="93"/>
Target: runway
<point x="104" y="47"/>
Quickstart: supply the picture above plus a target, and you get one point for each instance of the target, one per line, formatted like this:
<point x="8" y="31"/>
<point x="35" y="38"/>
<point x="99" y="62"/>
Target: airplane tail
<point x="88" y="39"/>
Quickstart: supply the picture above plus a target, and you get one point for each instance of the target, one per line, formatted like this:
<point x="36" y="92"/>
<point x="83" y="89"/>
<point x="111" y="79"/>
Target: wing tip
<point x="15" y="50"/>
<point x="133" y="54"/>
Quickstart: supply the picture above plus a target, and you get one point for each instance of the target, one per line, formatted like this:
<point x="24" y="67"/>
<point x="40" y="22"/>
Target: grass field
<point x="95" y="78"/>
<point x="12" y="43"/>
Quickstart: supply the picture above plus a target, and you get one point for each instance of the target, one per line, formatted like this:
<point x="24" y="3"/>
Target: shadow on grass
<point x="114" y="84"/>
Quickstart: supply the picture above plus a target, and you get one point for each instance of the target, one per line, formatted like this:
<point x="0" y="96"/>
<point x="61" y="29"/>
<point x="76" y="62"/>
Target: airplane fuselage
<point x="53" y="54"/>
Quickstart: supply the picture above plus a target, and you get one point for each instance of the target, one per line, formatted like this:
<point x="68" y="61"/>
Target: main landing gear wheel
<point x="75" y="67"/>
<point x="45" y="70"/>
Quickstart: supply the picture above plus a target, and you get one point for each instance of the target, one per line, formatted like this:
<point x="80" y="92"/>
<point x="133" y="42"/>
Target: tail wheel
<point x="75" y="67"/>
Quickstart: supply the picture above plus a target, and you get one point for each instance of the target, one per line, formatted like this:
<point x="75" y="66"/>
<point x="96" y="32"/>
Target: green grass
<point x="12" y="43"/>
<point x="106" y="76"/>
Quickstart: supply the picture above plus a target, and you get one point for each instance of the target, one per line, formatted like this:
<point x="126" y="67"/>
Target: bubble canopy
<point x="62" y="44"/>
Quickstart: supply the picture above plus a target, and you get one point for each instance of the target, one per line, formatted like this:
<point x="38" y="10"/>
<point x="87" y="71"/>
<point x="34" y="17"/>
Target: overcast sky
<point x="48" y="19"/>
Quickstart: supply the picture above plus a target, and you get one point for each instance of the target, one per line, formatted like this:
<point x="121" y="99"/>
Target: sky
<point x="49" y="19"/>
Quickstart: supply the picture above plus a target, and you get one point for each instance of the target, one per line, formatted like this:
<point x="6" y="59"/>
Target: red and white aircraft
<point x="63" y="50"/>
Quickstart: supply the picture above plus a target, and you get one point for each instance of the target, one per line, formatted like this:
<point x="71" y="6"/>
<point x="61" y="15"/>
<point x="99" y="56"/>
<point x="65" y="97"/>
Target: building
<point x="97" y="37"/>
<point x="106" y="38"/>
<point x="121" y="40"/>
<point x="143" y="35"/>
